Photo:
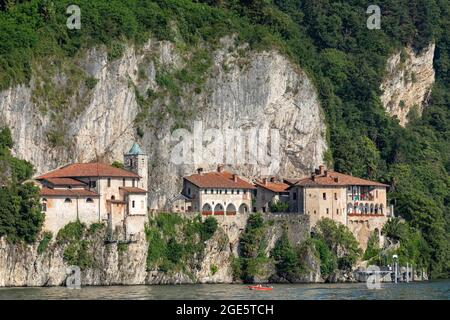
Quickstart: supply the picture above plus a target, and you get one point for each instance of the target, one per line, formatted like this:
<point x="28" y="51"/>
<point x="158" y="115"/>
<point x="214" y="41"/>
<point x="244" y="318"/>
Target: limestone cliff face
<point x="96" y="119"/>
<point x="119" y="264"/>
<point x="408" y="82"/>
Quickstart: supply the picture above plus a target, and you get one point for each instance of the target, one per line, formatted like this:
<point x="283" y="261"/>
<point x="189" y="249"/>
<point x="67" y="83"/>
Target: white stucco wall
<point x="59" y="213"/>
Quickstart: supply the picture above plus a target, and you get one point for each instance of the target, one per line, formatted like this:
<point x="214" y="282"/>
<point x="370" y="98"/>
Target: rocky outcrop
<point x="408" y="82"/>
<point x="112" y="263"/>
<point x="23" y="265"/>
<point x="92" y="115"/>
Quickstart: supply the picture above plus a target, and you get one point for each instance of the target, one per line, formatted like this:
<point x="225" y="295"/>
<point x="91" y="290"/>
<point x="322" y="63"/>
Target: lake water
<point x="389" y="291"/>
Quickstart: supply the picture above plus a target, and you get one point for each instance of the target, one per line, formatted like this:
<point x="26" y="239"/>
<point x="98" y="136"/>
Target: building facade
<point x="359" y="204"/>
<point x="218" y="193"/>
<point x="269" y="194"/>
<point x="97" y="192"/>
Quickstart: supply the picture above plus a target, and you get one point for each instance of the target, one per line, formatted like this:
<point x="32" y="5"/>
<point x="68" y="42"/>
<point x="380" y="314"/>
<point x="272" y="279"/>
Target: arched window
<point x="113" y="198"/>
<point x="231" y="209"/>
<point x="67" y="200"/>
<point x="218" y="209"/>
<point x="89" y="200"/>
<point x="243" y="208"/>
<point x="206" y="209"/>
<point x="349" y="208"/>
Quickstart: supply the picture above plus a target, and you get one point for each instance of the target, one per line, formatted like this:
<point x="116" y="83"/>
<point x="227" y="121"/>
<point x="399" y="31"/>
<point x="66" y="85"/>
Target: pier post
<point x="407" y="274"/>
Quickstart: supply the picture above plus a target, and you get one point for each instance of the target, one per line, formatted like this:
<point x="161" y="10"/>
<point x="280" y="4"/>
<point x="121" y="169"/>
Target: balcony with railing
<point x="369" y="209"/>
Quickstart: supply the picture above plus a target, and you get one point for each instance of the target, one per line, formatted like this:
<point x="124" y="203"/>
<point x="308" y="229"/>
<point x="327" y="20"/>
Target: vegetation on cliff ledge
<point x="176" y="244"/>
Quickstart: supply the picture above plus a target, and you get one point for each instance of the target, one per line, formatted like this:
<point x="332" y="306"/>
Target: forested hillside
<point x="328" y="39"/>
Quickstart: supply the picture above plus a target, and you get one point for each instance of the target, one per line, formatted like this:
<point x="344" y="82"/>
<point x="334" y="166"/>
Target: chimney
<point x="265" y="181"/>
<point x="326" y="173"/>
<point x="235" y="177"/>
<point x="220" y="168"/>
<point x="321" y="169"/>
<point x="200" y="171"/>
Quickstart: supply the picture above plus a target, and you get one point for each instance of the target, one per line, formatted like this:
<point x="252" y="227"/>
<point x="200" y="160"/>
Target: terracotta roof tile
<point x="291" y="181"/>
<point x="216" y="179"/>
<point x="65" y="182"/>
<point x="88" y="170"/>
<point x="273" y="186"/>
<point x="133" y="190"/>
<point x="46" y="192"/>
<point x="332" y="178"/>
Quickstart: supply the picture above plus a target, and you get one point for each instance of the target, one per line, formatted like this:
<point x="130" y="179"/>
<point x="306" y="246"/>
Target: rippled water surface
<point x="419" y="290"/>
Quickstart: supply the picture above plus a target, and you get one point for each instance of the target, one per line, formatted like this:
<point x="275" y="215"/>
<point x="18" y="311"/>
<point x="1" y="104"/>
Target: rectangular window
<point x="328" y="211"/>
<point x="237" y="191"/>
<point x="294" y="195"/>
<point x="376" y="194"/>
<point x="324" y="195"/>
<point x="132" y="204"/>
<point x="226" y="191"/>
<point x="335" y="196"/>
<point x="337" y="211"/>
<point x="134" y="181"/>
<point x="44" y="207"/>
<point x="232" y="191"/>
<point x="123" y="182"/>
<point x="109" y="182"/>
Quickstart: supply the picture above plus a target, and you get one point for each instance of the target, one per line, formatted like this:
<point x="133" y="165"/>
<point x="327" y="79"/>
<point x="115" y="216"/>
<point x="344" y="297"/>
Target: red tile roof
<point x="133" y="190"/>
<point x="46" y="192"/>
<point x="273" y="186"/>
<point x="65" y="182"/>
<point x="216" y="179"/>
<point x="88" y="170"/>
<point x="291" y="181"/>
<point x="332" y="178"/>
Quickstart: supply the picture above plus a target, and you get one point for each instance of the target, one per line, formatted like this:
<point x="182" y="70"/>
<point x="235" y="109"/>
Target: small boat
<point x="260" y="288"/>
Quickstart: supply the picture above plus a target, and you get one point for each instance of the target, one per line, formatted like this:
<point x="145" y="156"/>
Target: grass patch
<point x="43" y="244"/>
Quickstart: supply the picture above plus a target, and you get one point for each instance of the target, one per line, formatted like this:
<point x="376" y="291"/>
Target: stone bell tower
<point x="137" y="161"/>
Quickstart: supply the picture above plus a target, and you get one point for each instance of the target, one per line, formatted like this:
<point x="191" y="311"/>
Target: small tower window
<point x="89" y="200"/>
<point x="67" y="200"/>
